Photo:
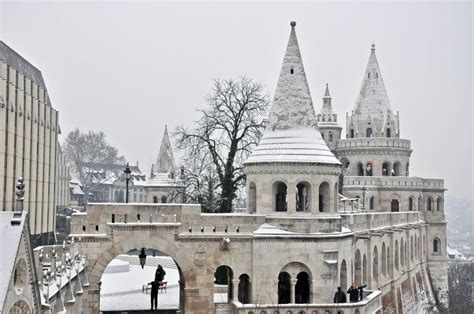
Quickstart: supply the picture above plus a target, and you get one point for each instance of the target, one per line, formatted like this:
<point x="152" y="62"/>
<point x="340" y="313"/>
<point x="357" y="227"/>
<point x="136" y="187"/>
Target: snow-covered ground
<point x="123" y="290"/>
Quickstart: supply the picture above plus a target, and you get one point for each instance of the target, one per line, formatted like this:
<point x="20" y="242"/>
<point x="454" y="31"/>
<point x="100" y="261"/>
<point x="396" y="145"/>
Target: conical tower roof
<point x="292" y="133"/>
<point x="373" y="99"/>
<point x="165" y="160"/>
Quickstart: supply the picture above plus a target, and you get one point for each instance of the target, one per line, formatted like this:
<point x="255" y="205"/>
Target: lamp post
<point x="127" y="172"/>
<point x="364" y="193"/>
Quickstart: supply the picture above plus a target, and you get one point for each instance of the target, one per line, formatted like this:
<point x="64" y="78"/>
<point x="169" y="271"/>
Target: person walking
<point x="340" y="297"/>
<point x="154" y="295"/>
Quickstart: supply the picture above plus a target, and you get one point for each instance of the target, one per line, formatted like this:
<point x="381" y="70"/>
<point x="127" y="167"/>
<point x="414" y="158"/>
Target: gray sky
<point x="130" y="68"/>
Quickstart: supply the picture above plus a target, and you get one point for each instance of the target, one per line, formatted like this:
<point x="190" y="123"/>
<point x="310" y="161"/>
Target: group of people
<point x="356" y="294"/>
<point x="155" y="286"/>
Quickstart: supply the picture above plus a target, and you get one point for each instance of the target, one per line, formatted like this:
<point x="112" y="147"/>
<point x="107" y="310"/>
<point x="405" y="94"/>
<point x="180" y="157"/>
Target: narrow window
<point x="369" y="132"/>
<point x="125" y="218"/>
<point x="113" y="218"/>
<point x="388" y="133"/>
<point x="96" y="227"/>
<point x="84" y="228"/>
<point x="352" y="133"/>
<point x="292" y="71"/>
<point x="138" y="217"/>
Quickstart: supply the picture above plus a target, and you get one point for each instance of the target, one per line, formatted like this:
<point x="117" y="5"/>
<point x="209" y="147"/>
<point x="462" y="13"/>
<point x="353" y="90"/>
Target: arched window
<point x="292" y="71"/>
<point x="360" y="169"/>
<point x="368" y="169"/>
<point x="369" y="132"/>
<point x="164" y="199"/>
<point x="420" y="203"/>
<point x="303" y="196"/>
<point x="411" y="203"/>
<point x="439" y="203"/>
<point x="384" y="259"/>
<point x="396" y="169"/>
<point x="395" y="206"/>
<point x="437" y="245"/>
<point x="223" y="277"/>
<point x="371" y="202"/>
<point x="330" y="137"/>
<point x="324" y="196"/>
<point x="396" y="256"/>
<point x="280" y="192"/>
<point x="252" y="197"/>
<point x="244" y="289"/>
<point x="407" y="169"/>
<point x="358" y="268"/>
<point x="385" y="169"/>
<point x="388" y="133"/>
<point x="375" y="265"/>
<point x="284" y="288"/>
<point x="155" y="199"/>
<point x="352" y="133"/>
<point x="429" y="204"/>
<point x="343" y="276"/>
<point x="302" y="290"/>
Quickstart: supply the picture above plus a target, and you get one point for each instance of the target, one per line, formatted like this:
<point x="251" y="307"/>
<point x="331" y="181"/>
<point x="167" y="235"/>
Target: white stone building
<point x="163" y="184"/>
<point x="28" y="142"/>
<point x="296" y="243"/>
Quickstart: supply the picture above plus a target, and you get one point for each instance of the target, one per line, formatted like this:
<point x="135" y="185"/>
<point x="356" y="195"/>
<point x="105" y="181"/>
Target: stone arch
<point x="436" y="245"/>
<point x="375" y="265"/>
<point x="245" y="289"/>
<point x="411" y="203"/>
<point x="394" y="205"/>
<point x="384" y="259"/>
<point x="302" y="288"/>
<point x="439" y="203"/>
<point x="429" y="203"/>
<point x="343" y="276"/>
<point x="324" y="197"/>
<point x="397" y="261"/>
<point x="358" y="268"/>
<point x="386" y="168"/>
<point x="396" y="169"/>
<point x="187" y="275"/>
<point x="303" y="196"/>
<point x="224" y="275"/>
<point x="284" y="288"/>
<point x="280" y="196"/>
<point x="155" y="199"/>
<point x="164" y="199"/>
<point x="303" y="278"/>
<point x="252" y="197"/>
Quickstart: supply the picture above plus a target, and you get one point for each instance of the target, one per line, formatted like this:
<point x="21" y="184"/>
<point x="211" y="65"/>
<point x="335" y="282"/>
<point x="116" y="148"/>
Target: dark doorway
<point x="284" y="288"/>
<point x="302" y="288"/>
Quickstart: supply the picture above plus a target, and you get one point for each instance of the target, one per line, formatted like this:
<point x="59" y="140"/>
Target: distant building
<point x="164" y="184"/>
<point x="28" y="142"/>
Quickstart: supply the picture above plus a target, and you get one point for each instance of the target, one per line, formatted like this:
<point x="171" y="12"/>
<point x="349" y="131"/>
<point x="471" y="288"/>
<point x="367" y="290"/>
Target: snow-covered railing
<point x="373" y="142"/>
<point x="398" y="181"/>
<point x="370" y="304"/>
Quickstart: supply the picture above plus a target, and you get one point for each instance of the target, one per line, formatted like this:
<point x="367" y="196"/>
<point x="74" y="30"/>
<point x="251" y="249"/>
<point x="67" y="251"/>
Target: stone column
<point x="291" y="197"/>
<point x="292" y="293"/>
<point x="235" y="291"/>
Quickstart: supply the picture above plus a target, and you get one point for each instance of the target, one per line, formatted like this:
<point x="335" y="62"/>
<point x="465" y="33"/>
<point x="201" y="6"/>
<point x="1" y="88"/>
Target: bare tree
<point x="229" y="128"/>
<point x="91" y="159"/>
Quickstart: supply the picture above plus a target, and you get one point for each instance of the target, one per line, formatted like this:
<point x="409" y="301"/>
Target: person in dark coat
<point x="340" y="297"/>
<point x="159" y="274"/>
<point x="361" y="292"/>
<point x="154" y="294"/>
<point x="354" y="292"/>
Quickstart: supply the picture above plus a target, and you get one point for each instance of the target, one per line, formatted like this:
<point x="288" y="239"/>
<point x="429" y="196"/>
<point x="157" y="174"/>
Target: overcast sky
<point x="130" y="68"/>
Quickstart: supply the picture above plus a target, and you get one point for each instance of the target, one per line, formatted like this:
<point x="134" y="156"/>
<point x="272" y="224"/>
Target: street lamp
<point x="127" y="172"/>
<point x="364" y="193"/>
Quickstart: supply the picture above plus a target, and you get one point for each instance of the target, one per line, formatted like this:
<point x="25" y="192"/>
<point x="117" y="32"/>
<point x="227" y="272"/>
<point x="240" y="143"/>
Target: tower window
<point x="368" y="75"/>
<point x="352" y="133"/>
<point x="388" y="133"/>
<point x="369" y="132"/>
<point x="292" y="71"/>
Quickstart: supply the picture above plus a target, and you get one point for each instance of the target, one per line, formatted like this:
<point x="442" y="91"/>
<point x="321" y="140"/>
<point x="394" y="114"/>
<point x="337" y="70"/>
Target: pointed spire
<point x="292" y="105"/>
<point x="165" y="160"/>
<point x="326" y="93"/>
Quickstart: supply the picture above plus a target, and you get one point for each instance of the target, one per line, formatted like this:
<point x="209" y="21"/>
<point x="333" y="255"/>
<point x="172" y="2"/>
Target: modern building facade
<point x="28" y="142"/>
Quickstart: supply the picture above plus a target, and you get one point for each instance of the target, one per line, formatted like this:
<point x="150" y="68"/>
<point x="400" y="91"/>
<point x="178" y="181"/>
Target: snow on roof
<point x="10" y="236"/>
<point x="269" y="229"/>
<point x="162" y="180"/>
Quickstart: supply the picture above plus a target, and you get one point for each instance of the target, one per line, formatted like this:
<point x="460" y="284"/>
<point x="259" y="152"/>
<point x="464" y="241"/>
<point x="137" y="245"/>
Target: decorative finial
<point x="373" y="48"/>
<point x="293" y="24"/>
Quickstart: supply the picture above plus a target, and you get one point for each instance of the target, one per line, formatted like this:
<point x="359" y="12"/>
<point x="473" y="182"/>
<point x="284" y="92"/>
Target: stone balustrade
<point x="373" y="143"/>
<point x="393" y="182"/>
<point x="367" y="221"/>
<point x="370" y="304"/>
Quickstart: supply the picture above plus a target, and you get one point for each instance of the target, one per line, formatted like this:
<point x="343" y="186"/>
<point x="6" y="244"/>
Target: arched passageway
<point x="302" y="288"/>
<point x="284" y="288"/>
<point x="223" y="288"/>
<point x="280" y="191"/>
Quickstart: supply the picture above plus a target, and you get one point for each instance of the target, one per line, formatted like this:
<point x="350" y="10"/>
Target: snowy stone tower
<point x="292" y="171"/>
<point x="327" y="121"/>
<point x="163" y="182"/>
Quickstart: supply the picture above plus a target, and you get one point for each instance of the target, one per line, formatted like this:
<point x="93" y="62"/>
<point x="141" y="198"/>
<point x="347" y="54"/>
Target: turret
<point x="327" y="121"/>
<point x="372" y="115"/>
<point x="292" y="171"/>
